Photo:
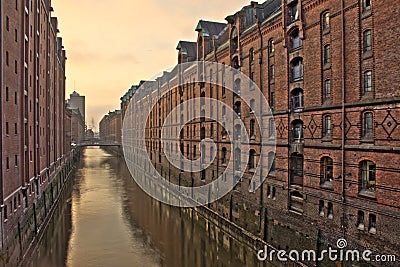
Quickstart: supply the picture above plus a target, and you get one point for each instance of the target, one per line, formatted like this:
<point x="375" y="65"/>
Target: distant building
<point x="110" y="127"/>
<point x="76" y="101"/>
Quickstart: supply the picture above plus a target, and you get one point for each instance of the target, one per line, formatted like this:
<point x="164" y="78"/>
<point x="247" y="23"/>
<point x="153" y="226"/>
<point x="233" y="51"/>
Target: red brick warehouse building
<point x="32" y="99"/>
<point x="329" y="70"/>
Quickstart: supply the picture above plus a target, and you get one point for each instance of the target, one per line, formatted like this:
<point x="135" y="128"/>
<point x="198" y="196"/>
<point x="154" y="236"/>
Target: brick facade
<point x="32" y="107"/>
<point x="329" y="70"/>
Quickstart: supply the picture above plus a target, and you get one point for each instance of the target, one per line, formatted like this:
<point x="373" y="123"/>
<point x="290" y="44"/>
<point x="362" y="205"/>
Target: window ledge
<point x="327" y="138"/>
<point x="367" y="139"/>
<point x="298" y="109"/>
<point x="327" y="66"/>
<point x="327" y="102"/>
<point x="296" y="49"/>
<point x="366" y="13"/>
<point x="326" y="31"/>
<point x="367" y="193"/>
<point x="361" y="226"/>
<point x="327" y="185"/>
<point x="367" y="54"/>
<point x="252" y="170"/>
<point x="372" y="230"/>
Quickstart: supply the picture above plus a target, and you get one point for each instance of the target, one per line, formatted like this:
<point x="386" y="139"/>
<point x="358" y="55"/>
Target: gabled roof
<point x="188" y="48"/>
<point x="210" y="28"/>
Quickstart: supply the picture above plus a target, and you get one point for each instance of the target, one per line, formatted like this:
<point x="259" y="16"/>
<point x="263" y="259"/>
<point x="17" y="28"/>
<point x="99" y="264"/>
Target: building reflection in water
<point x="110" y="221"/>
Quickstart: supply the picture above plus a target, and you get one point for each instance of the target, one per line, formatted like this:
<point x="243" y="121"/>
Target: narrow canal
<point x="106" y="220"/>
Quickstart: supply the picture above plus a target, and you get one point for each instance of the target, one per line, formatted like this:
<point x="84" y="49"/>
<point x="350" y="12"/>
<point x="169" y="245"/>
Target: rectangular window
<point x="15" y="67"/>
<point x="368" y="176"/>
<point x="272" y="72"/>
<point x="368" y="124"/>
<point x="360" y="220"/>
<point x="8" y="23"/>
<point x="327" y="92"/>
<point x="15" y="129"/>
<point x="272" y="100"/>
<point x="252" y="128"/>
<point x="293" y="12"/>
<point x="271" y="129"/>
<point x="7" y="93"/>
<point x="327" y="126"/>
<point x="367" y="41"/>
<point x="366" y="5"/>
<point x="327" y="54"/>
<point x="16" y="35"/>
<point x="7" y="163"/>
<point x="325" y="21"/>
<point x="368" y="81"/>
<point x="7" y="58"/>
<point x="372" y="224"/>
<point x="15" y="160"/>
<point x="321" y="208"/>
<point x="7" y="129"/>
<point x="330" y="210"/>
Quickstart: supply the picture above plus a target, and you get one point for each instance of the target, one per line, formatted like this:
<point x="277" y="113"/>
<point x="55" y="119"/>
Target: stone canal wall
<point x="21" y="237"/>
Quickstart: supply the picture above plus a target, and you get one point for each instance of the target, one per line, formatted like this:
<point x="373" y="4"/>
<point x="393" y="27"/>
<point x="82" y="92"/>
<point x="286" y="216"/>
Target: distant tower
<point x="77" y="101"/>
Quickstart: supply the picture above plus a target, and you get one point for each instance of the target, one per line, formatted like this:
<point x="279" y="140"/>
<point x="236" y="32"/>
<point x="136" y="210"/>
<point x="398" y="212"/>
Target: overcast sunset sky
<point x="112" y="44"/>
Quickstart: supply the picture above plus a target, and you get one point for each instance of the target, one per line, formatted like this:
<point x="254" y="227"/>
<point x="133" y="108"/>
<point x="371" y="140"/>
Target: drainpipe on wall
<point x="1" y="123"/>
<point x="260" y="62"/>
<point x="344" y="219"/>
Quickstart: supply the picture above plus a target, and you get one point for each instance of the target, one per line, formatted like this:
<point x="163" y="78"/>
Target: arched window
<point x="271" y="162"/>
<point x="271" y="47"/>
<point x="327" y="91"/>
<point x="224" y="155"/>
<point x="238" y="154"/>
<point x="327" y="127"/>
<point x="325" y="21"/>
<point x="366" y="5"/>
<point x="252" y="128"/>
<point x="327" y="54"/>
<point x="295" y="39"/>
<point x="252" y="159"/>
<point x="252" y="105"/>
<point x="238" y="130"/>
<point x="326" y="171"/>
<point x="238" y="108"/>
<point x="367" y="177"/>
<point x="297" y="99"/>
<point x="237" y="86"/>
<point x="367" y="82"/>
<point x="297" y="69"/>
<point x="367" y="41"/>
<point x="251" y="55"/>
<point x="297" y="128"/>
<point x="368" y="125"/>
<point x="293" y="11"/>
